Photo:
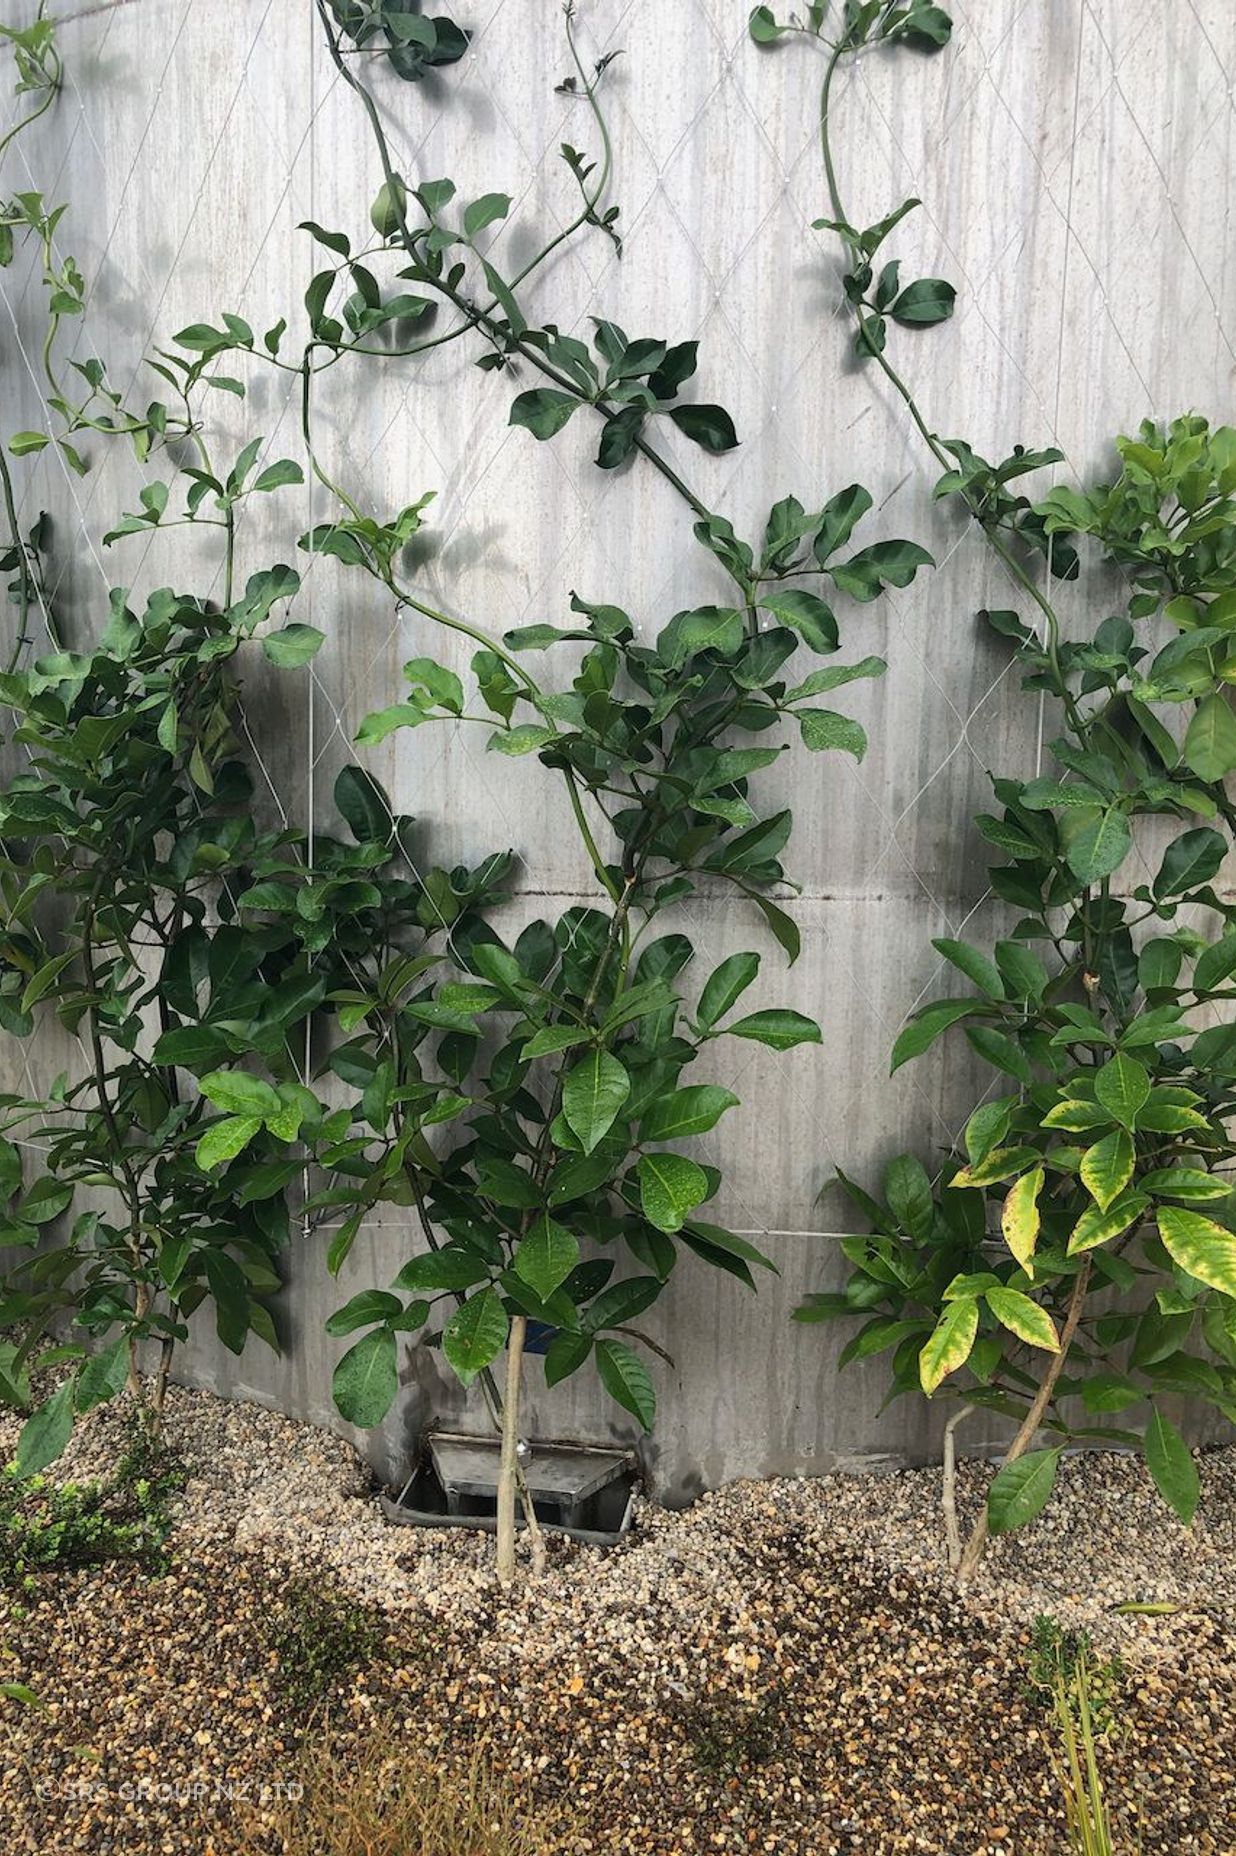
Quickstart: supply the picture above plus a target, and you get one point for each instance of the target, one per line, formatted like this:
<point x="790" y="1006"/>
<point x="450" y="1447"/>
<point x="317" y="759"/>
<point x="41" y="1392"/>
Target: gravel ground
<point x="784" y="1667"/>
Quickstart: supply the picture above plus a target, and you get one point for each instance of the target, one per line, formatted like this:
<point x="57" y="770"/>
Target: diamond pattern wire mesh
<point x="1074" y="163"/>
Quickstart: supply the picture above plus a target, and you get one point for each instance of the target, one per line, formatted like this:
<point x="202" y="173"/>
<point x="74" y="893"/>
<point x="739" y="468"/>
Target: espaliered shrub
<point x="145" y="910"/>
<point x="1076" y="1262"/>
<point x="525" y="1102"/>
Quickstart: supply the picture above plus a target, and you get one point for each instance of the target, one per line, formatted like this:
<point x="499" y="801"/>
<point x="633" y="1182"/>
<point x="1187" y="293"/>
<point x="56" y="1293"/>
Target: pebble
<point x="786" y="1666"/>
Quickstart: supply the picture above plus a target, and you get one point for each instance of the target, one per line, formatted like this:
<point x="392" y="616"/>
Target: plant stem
<point x="23" y="564"/>
<point x="483" y="319"/>
<point x="948" y="1494"/>
<point x="1033" y="1418"/>
<point x="999" y="548"/>
<point x="510" y="1451"/>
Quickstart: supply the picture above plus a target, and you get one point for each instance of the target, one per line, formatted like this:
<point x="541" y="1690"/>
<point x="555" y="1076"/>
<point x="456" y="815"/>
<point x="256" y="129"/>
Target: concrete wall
<point x="1075" y="162"/>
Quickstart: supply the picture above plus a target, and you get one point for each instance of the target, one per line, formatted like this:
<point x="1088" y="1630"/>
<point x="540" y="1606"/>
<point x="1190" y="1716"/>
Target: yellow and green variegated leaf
<point x="1001" y="1163"/>
<point x="1186" y="1182"/>
<point x="1170" y="1118"/>
<point x="1096" y="1226"/>
<point x="1107" y="1167"/>
<point x="1025" y="1318"/>
<point x="1123" y="1087"/>
<point x="1019" y="1219"/>
<point x="1201" y="1247"/>
<point x="949" y="1344"/>
<point x="1077" y="1117"/>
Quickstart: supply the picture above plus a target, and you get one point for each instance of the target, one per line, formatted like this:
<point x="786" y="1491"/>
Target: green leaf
<point x="928" y="300"/>
<point x="526" y="738"/>
<point x="885" y="563"/>
<point x="975" y="966"/>
<point x="453" y="1267"/>
<point x="334" y="241"/>
<point x="706" y="628"/>
<point x="1025" y="1318"/>
<point x="277" y="476"/>
<point x="363" y="1311"/>
<point x="293" y="645"/>
<point x="23" y="443"/>
<point x="46" y="1199"/>
<point x="442" y="686"/>
<point x="546" y="1256"/>
<point x="1171" y="1465"/>
<point x="1202" y="1248"/>
<point x="543" y="410"/>
<point x="552" y="1038"/>
<point x="1190" y="860"/>
<point x="1020" y="1490"/>
<point x="948" y="1347"/>
<point x="779" y="1028"/>
<point x="389" y="210"/>
<point x="921" y="1032"/>
<point x="592" y="1094"/>
<point x="839" y="518"/>
<point x="806" y="614"/>
<point x="238" y="1093"/>
<point x="910" y="1199"/>
<point x="366" y="1380"/>
<point x="693" y="1110"/>
<point x="565" y="1355"/>
<point x="223" y="1140"/>
<point x="670" y="1187"/>
<point x="708" y="426"/>
<point x="1210" y="740"/>
<point x="1215" y="964"/>
<point x="927" y="27"/>
<point x="763" y="27"/>
<point x="1107" y="1167"/>
<point x="46" y="1432"/>
<point x="1123" y="1088"/>
<point x="717" y="1239"/>
<point x="484" y="212"/>
<point x="782" y="927"/>
<point x="103" y="1375"/>
<point x="986" y="1127"/>
<point x="625" y="1378"/>
<point x="824" y="728"/>
<point x="833" y="676"/>
<point x="725" y="985"/>
<point x="475" y="1335"/>
<point x="383" y="722"/>
<point x="1019" y="1217"/>
<point x="364" y="806"/>
<point x="1099" y="845"/>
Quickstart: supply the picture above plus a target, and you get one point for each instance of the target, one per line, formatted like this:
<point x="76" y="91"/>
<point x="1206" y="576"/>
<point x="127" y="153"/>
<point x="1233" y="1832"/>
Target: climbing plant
<point x="145" y="909"/>
<point x="559" y="1081"/>
<point x="1102" y="1152"/>
<point x="525" y="1101"/>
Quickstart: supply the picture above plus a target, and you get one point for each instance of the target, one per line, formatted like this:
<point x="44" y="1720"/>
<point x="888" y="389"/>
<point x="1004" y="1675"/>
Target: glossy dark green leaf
<point x="928" y="300"/>
<point x="543" y="410"/>
<point x="366" y="1380"/>
<point x="625" y="1378"/>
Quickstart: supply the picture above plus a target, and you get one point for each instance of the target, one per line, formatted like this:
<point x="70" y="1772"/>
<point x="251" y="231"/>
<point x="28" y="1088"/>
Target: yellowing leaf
<point x="1025" y="1318"/>
<point x="1097" y="1226"/>
<point x="1019" y="1220"/>
<point x="1107" y="1167"/>
<point x="1200" y="1246"/>
<point x="949" y="1345"/>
